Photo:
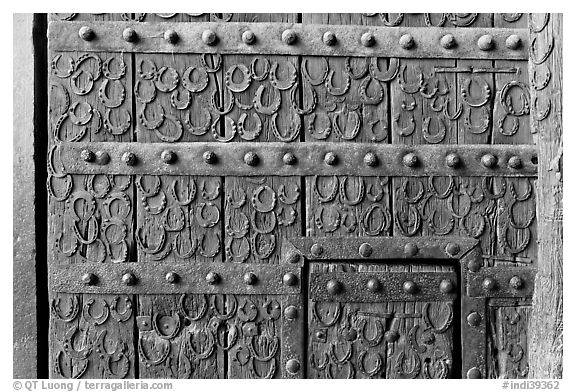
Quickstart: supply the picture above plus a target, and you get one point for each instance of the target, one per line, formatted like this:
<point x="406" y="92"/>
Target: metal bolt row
<point x="290" y="37"/>
<point x="366" y="250"/>
<point x="490" y="284"/>
<point x="410" y="159"/>
<point x="335" y="287"/>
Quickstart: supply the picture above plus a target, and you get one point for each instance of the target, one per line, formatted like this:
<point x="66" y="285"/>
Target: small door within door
<point x="382" y="321"/>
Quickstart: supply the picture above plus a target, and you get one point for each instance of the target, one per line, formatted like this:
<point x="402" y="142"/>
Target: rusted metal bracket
<point x="289" y="39"/>
<point x="383" y="286"/>
<point x="175" y="278"/>
<point x="296" y="159"/>
<point x="501" y="282"/>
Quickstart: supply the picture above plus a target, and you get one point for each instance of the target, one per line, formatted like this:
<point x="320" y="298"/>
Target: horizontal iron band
<point x="379" y="248"/>
<point x="354" y="286"/>
<point x="108" y="37"/>
<point x="350" y="159"/>
<point x="501" y="282"/>
<point x="151" y="278"/>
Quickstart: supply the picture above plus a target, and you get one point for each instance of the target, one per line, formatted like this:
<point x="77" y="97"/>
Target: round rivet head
<point x="448" y="41"/>
<point x="129" y="279"/>
<point x="452" y="248"/>
<point x="210" y="157"/>
<point x="370" y="159"/>
<point x="334" y="287"/>
<point x="474" y="319"/>
<point x="293" y="366"/>
<point x="329" y="38"/>
<point x="474" y="265"/>
<point x="86" y="33"/>
<point x="485" y="42"/>
<point x="209" y="37"/>
<point x="446" y="286"/>
<point x="212" y="278"/>
<point x="373" y="285"/>
<point x="516" y="283"/>
<point x="294" y="258"/>
<point x="291" y="312"/>
<point x="172" y="277"/>
<point x="410" y="287"/>
<point x="289" y="37"/>
<point x="410" y="160"/>
<point x="251" y="159"/>
<point x="489" y="284"/>
<point x="410" y="249"/>
<point x="474" y="373"/>
<point x="87" y="156"/>
<point x="453" y="160"/>
<point x="391" y="336"/>
<point x="290" y="279"/>
<point x="406" y="41"/>
<point x="250" y="278"/>
<point x="102" y="157"/>
<point x="489" y="161"/>
<point x="168" y="156"/>
<point x="513" y="42"/>
<point x="89" y="279"/>
<point x="330" y="158"/>
<point x="130" y="35"/>
<point x="289" y="159"/>
<point x="368" y="39"/>
<point x="320" y="335"/>
<point x="171" y="37"/>
<point x="248" y="37"/>
<point x="365" y="250"/>
<point x="316" y="250"/>
<point x="129" y="158"/>
<point x="515" y="162"/>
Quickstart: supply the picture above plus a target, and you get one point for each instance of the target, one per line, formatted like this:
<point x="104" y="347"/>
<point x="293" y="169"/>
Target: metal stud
<point x="289" y="159"/>
<point x="513" y="42"/>
<point x="446" y="286"/>
<point x="212" y="278"/>
<point x="87" y="156"/>
<point x="129" y="158"/>
<point x="515" y="162"/>
<point x="448" y="41"/>
<point x="373" y="285"/>
<point x="291" y="313"/>
<point x="130" y="35"/>
<point x="250" y="278"/>
<point x="89" y="279"/>
<point x="368" y="39"/>
<point x="171" y="37"/>
<point x="474" y="373"/>
<point x="129" y="279"/>
<point x="289" y="37"/>
<point x="102" y="157"/>
<point x="406" y="41"/>
<point x="334" y="287"/>
<point x="489" y="284"/>
<point x="293" y="366"/>
<point x="172" y="277"/>
<point x="86" y="33"/>
<point x="329" y="38"/>
<point x="316" y="250"/>
<point x="410" y="160"/>
<point x="294" y="258"/>
<point x="452" y="248"/>
<point x="365" y="250"/>
<point x="330" y="158"/>
<point x="516" y="283"/>
<point x="474" y="319"/>
<point x="410" y="249"/>
<point x="209" y="37"/>
<point x="370" y="159"/>
<point x="453" y="160"/>
<point x="410" y="287"/>
<point x="391" y="336"/>
<point x="248" y="37"/>
<point x="474" y="265"/>
<point x="168" y="156"/>
<point x="290" y="279"/>
<point x="210" y="157"/>
<point x="485" y="42"/>
<point x="489" y="161"/>
<point x="251" y="159"/>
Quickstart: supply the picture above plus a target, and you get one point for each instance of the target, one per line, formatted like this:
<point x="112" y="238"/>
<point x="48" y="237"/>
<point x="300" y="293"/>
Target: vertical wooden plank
<point x="546" y="325"/>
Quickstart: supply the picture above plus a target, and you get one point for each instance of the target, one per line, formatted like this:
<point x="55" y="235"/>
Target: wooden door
<point x="290" y="195"/>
